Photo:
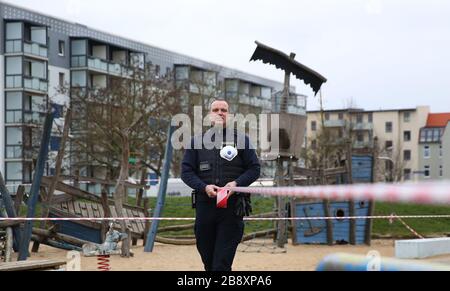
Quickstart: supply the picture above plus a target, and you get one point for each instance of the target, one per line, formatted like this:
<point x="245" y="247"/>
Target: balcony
<point x="31" y="49"/>
<point x="35" y="84"/>
<point x="363" y="144"/>
<point x="102" y="66"/>
<point x="97" y="64"/>
<point x="335" y="123"/>
<point x="244" y="99"/>
<point x="297" y="110"/>
<point x="34" y="117"/>
<point x="362" y="126"/>
<point x="35" y="49"/>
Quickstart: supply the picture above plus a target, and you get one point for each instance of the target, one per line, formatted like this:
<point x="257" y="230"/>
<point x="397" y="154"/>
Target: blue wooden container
<point x="315" y="231"/>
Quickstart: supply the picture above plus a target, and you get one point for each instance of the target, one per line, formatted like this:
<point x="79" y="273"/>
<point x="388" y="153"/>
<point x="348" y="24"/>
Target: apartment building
<point x="396" y="132"/>
<point x="41" y="53"/>
<point x="434" y="145"/>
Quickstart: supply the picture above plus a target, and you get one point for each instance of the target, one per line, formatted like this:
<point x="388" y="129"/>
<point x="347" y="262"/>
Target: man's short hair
<point x="217" y="100"/>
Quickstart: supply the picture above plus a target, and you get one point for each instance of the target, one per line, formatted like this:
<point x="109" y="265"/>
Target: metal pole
<point x="9" y="206"/>
<point x="161" y="193"/>
<point x="34" y="192"/>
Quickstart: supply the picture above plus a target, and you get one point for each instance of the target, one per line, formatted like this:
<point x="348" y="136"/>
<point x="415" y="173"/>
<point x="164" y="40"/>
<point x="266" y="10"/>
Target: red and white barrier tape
<point x="422" y="193"/>
<point x="405" y="225"/>
<point x="391" y="217"/>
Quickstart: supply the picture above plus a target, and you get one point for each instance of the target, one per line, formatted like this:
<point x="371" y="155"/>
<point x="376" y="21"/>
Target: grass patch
<point x="425" y="227"/>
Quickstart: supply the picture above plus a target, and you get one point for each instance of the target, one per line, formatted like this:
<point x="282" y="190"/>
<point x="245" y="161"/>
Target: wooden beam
<point x="5" y="224"/>
<point x="19" y="198"/>
<point x="32" y="265"/>
<point x="59" y="236"/>
<point x="10" y="210"/>
<point x="101" y="181"/>
<point x="78" y="193"/>
<point x="36" y="185"/>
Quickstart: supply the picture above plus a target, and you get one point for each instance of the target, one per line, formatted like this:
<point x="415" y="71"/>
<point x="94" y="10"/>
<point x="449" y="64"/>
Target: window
<point x="13" y="101"/>
<point x="441" y="171"/>
<point x="61" y="48"/>
<point x="388" y="127"/>
<point x="440" y="151"/>
<point x="407" y="174"/>
<point x="78" y="47"/>
<point x="436" y="135"/>
<point x="407" y="155"/>
<point x="370" y="117"/>
<point x="407" y="116"/>
<point x="341" y="116"/>
<point x="407" y="136"/>
<point x="359" y="118"/>
<point x="327" y="116"/>
<point x="426" y="152"/>
<point x="61" y="80"/>
<point x="35" y="103"/>
<point x="13" y="136"/>
<point x="427" y="172"/>
<point x="389" y="145"/>
<point x="314" y="144"/>
<point x="313" y="125"/>
<point x="39" y="35"/>
<point x="182" y="73"/>
<point x="266" y="92"/>
<point x="14" y="66"/>
<point x="79" y="78"/>
<point x="13" y="171"/>
<point x="423" y="135"/>
<point x="35" y="69"/>
<point x="13" y="30"/>
<point x="13" y="107"/>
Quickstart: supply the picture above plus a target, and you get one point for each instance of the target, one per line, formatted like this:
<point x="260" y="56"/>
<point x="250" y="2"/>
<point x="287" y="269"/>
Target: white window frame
<point x="425" y="151"/>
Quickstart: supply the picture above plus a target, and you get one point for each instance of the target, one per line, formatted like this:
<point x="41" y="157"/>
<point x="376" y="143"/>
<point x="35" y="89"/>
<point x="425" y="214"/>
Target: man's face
<point x="219" y="113"/>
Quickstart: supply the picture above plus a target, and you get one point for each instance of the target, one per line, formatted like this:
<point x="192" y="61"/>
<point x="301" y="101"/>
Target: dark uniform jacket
<point x="202" y="167"/>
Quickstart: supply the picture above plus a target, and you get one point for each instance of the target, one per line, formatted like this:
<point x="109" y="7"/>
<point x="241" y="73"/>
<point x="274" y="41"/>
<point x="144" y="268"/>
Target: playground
<point x="185" y="258"/>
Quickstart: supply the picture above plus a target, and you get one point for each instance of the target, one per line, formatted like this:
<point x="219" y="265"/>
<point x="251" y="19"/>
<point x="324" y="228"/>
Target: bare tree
<point x="127" y="118"/>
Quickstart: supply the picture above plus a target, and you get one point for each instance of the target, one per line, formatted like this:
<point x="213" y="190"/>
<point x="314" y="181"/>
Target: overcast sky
<point x="375" y="53"/>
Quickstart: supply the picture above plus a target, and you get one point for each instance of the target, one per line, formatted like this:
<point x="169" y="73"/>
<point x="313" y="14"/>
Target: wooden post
<point x="51" y="190"/>
<point x="161" y="193"/>
<point x="369" y="222"/>
<point x="106" y="211"/>
<point x="9" y="206"/>
<point x="281" y="206"/>
<point x="19" y="198"/>
<point x="146" y="214"/>
<point x="351" y="203"/>
<point x="34" y="193"/>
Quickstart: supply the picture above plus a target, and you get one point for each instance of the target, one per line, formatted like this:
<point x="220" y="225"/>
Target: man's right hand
<point x="211" y="191"/>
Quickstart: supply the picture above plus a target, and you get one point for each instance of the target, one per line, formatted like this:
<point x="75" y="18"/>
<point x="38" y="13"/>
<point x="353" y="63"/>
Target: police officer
<point x="206" y="169"/>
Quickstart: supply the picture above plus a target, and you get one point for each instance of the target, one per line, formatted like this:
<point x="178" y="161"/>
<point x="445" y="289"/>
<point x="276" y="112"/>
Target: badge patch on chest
<point x="228" y="153"/>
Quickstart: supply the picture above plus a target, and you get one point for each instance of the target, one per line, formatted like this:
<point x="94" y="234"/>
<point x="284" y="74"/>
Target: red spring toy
<point x="103" y="263"/>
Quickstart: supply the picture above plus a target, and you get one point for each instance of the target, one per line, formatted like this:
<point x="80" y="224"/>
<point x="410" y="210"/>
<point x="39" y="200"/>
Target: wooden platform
<point x="41" y="265"/>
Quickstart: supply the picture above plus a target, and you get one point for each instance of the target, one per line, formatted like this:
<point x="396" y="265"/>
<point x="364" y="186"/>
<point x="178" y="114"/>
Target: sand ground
<point x="256" y="257"/>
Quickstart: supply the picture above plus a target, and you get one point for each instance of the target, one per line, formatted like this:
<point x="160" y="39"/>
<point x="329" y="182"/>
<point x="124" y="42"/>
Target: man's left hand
<point x="231" y="185"/>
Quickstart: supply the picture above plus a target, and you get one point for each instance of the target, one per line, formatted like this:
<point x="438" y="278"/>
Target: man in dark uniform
<point x="219" y="230"/>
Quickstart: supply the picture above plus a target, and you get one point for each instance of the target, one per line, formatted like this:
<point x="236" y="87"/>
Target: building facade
<point x="434" y="144"/>
<point x="396" y="133"/>
<point x="39" y="54"/>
